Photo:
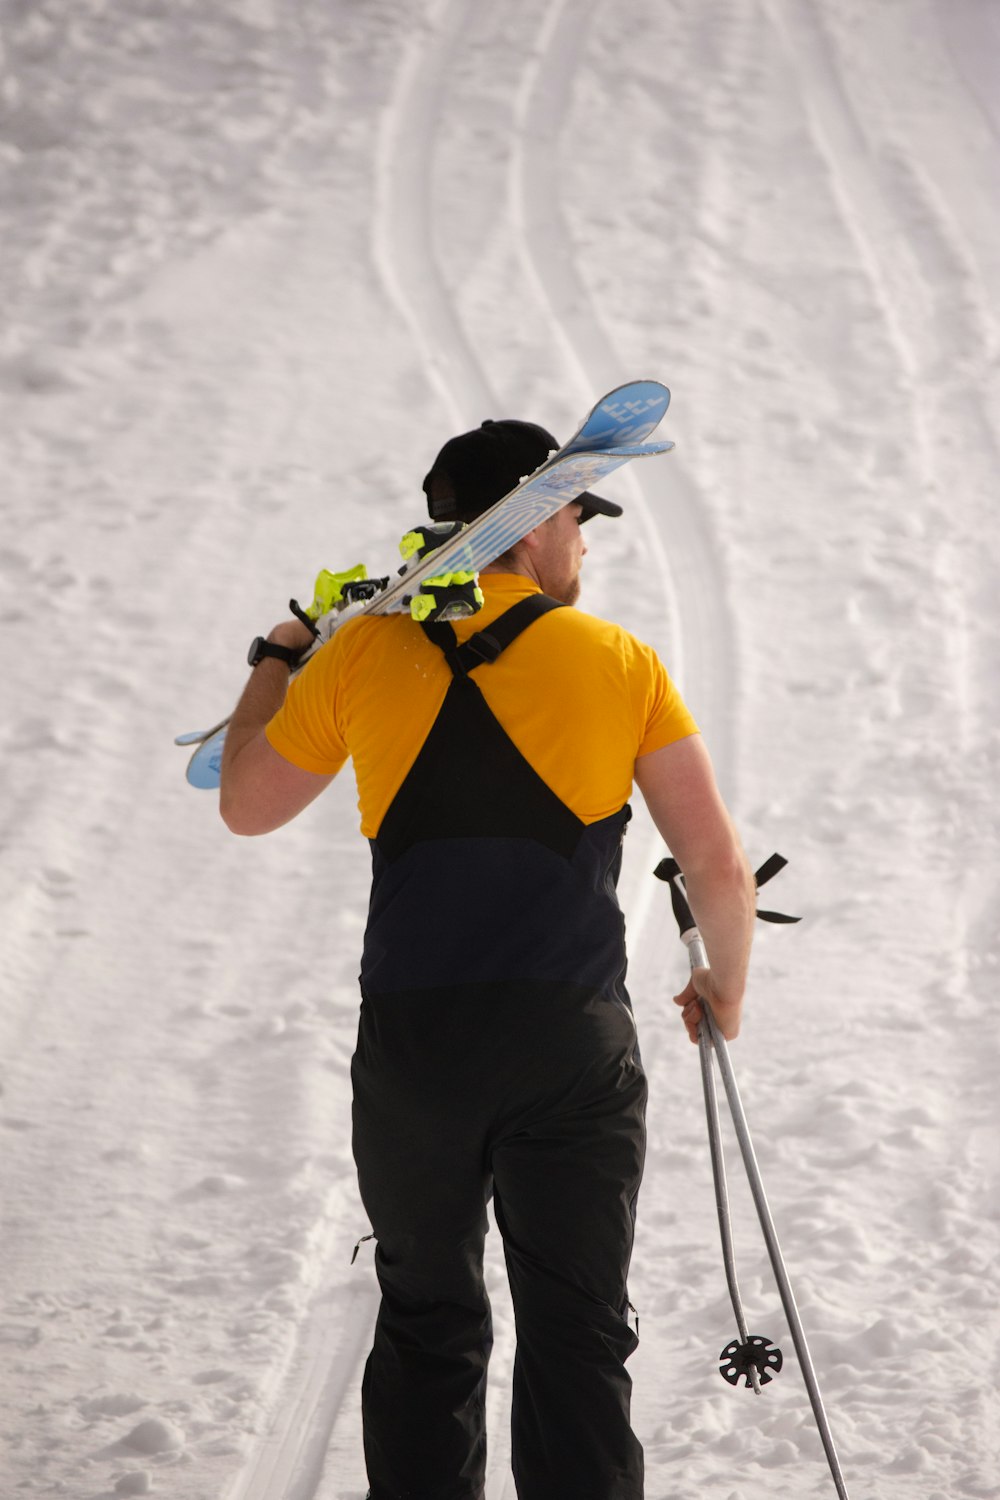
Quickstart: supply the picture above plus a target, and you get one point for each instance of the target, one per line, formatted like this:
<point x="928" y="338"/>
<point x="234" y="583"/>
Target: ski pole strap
<point x="486" y="645"/>
<point x="767" y="871"/>
<point x="301" y="614"/>
<point x="669" y="870"/>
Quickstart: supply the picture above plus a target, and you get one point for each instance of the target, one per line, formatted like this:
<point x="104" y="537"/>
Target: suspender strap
<point x="486" y="645"/>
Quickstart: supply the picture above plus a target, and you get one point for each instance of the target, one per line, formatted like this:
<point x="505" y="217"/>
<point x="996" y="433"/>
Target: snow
<point x="258" y="262"/>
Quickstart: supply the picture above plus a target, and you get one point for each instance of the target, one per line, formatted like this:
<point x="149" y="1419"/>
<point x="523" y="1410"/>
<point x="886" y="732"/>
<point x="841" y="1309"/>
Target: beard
<point x="559" y="576"/>
<point x="566" y="590"/>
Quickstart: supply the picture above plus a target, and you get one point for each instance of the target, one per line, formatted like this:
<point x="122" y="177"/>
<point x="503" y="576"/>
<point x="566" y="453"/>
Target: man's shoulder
<point x="576" y="641"/>
<point x="351" y="644"/>
<point x="361" y="628"/>
<point x="593" y="630"/>
<point x="566" y="629"/>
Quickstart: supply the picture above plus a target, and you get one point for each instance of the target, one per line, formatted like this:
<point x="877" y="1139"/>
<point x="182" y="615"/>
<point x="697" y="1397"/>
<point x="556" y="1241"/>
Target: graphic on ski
<point x="205" y="766"/>
<point x="611" y="434"/>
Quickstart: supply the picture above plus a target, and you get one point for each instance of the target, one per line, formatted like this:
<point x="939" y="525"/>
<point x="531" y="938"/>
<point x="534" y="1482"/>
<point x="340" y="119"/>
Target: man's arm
<point x="679" y="788"/>
<point x="260" y="789"/>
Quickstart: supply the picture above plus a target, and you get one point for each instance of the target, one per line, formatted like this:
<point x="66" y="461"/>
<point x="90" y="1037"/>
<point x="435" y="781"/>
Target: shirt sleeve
<point x="305" y="730"/>
<point x="662" y="716"/>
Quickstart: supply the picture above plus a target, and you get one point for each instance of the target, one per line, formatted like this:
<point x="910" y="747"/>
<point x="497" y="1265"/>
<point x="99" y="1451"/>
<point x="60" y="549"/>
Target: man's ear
<point x="530" y="539"/>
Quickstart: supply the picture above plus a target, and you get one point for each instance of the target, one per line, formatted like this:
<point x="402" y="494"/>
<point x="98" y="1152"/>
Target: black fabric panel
<point x="471" y="781"/>
<point x="538" y="1093"/>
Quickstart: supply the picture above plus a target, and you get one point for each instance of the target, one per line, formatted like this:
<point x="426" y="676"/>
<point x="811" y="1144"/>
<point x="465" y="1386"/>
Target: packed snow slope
<point x="258" y="262"/>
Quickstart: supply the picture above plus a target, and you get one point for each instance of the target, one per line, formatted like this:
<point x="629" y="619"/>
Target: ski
<point x="613" y="432"/>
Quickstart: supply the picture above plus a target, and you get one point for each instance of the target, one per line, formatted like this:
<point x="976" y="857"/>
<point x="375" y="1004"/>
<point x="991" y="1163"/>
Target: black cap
<point x="476" y="469"/>
<point x="596" y="505"/>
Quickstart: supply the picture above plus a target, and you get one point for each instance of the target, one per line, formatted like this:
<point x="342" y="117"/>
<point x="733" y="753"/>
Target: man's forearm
<point x="723" y="901"/>
<point x="264" y="693"/>
<point x="260" y="789"/>
<point x="262" y="697"/>
<point x="679" y="786"/>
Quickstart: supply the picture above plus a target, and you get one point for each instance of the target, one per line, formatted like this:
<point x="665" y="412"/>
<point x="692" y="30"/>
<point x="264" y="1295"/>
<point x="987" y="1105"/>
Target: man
<point x="497" y="1049"/>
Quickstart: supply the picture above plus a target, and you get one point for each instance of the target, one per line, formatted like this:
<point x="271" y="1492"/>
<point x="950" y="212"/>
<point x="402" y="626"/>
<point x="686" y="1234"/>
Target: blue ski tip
<point x="205" y="766"/>
<point x="205" y="771"/>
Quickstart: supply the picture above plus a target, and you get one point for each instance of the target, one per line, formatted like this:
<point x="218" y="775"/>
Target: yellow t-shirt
<point x="579" y="697"/>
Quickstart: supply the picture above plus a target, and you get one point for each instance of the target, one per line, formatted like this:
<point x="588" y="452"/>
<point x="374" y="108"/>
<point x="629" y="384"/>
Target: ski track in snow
<point x="404" y="230"/>
<point x="167" y="1062"/>
<point x="925" y="282"/>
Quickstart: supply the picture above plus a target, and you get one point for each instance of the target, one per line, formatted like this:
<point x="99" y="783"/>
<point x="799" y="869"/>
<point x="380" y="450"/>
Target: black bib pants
<point x="497" y="1052"/>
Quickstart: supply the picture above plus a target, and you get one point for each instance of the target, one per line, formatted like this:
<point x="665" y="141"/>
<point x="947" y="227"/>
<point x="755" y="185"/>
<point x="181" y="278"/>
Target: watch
<point x="259" y="648"/>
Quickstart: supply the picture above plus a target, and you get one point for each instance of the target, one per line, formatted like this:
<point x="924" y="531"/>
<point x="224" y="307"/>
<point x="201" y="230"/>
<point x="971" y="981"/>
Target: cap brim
<point x="596" y="505"/>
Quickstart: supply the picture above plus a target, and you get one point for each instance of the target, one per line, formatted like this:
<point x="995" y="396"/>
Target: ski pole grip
<point x="670" y="871"/>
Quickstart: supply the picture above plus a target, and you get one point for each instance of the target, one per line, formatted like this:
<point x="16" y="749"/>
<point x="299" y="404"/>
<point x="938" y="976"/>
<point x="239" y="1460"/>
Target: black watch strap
<point x="259" y="648"/>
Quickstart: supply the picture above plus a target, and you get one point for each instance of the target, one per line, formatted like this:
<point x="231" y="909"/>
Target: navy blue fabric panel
<point x="485" y="910"/>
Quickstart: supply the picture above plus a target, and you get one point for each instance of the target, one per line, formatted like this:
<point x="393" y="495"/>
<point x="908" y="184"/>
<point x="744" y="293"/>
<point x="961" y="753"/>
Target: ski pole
<point x="711" y="1040"/>
<point x="738" y="1364"/>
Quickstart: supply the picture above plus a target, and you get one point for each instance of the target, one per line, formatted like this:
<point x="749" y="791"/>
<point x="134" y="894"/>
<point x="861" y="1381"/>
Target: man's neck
<point x="519" y="569"/>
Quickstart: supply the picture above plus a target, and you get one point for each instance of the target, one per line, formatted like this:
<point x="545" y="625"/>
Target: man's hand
<point x="292" y="633"/>
<point x="700" y="989"/>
